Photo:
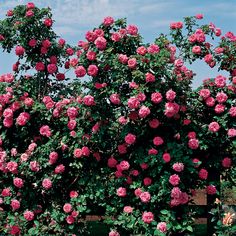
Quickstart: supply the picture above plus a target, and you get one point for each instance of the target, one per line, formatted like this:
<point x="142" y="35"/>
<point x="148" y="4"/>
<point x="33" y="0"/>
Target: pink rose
<point x="124" y="165"/>
<point x="232" y="111"/>
<point x="15" y="204"/>
<point x="211" y="190"/>
<point x="144" y="112"/>
<point x="23" y="118"/>
<point x="158" y="141"/>
<point x="19" y="50"/>
<point x="220" y="81"/>
<point x="132" y="63"/>
<point x="107" y="21"/>
<point x="203" y="174"/>
<point x="138" y="192"/>
<point x="178" y="167"/>
<point x="219" y="108"/>
<point x="133" y="103"/>
<point x="193" y="143"/>
<point x="170" y="95"/>
<point x="123" y="58"/>
<point x="30" y="5"/>
<point x="67" y="208"/>
<point x="115" y="98"/>
<point x="28" y="215"/>
<point x="147" y="217"/>
<point x="34" y="166"/>
<point x="196" y="50"/>
<point x="130" y="138"/>
<point x="45" y="131"/>
<point x="147" y="181"/>
<point x="221" y="97"/>
<point x="122" y="149"/>
<point x="162" y="227"/>
<point x="91" y="55"/>
<point x="116" y="37"/>
<point x="174" y="180"/>
<point x="150" y="77"/>
<point x="128" y="209"/>
<point x="121" y="192"/>
<point x="47" y="183"/>
<point x="80" y="71"/>
<point x="18" y="182"/>
<point x="48" y="22"/>
<point x="153" y="48"/>
<point x="145" y="197"/>
<point x="72" y="112"/>
<point x="88" y="100"/>
<point x="12" y="166"/>
<point x="100" y="43"/>
<point x="132" y="29"/>
<point x="226" y="162"/>
<point x="213" y="127"/>
<point x="166" y="157"/>
<point x="156" y="97"/>
<point x="154" y="123"/>
<point x="92" y="70"/>
<point x="53" y="157"/>
<point x="232" y="133"/>
<point x="114" y="233"/>
<point x="199" y="16"/>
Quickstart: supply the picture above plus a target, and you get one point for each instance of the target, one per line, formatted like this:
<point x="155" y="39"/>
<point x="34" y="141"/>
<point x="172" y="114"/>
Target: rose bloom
<point x="67" y="208"/>
<point x="174" y="180"/>
<point x="150" y="77"/>
<point x="156" y="97"/>
<point x="107" y="21"/>
<point x="114" y="233"/>
<point x="100" y="43"/>
<point x="210" y="101"/>
<point x="147" y="217"/>
<point x="203" y="174"/>
<point x="154" y="123"/>
<point x="19" y="50"/>
<point x="112" y="162"/>
<point x="219" y="108"/>
<point x="152" y="151"/>
<point x="226" y="162"/>
<point x="231" y="133"/>
<point x="47" y="183"/>
<point x="171" y="109"/>
<point x="204" y="93"/>
<point x="22" y="118"/>
<point x="144" y="112"/>
<point x="130" y="138"/>
<point x="220" y="81"/>
<point x="213" y="127"/>
<point x="122" y="149"/>
<point x="53" y="157"/>
<point x="232" y="111"/>
<point x="80" y="71"/>
<point x="138" y="192"/>
<point x="28" y="215"/>
<point x="211" y="190"/>
<point x="128" y="209"/>
<point x="170" y="95"/>
<point x="124" y="165"/>
<point x="18" y="182"/>
<point x="145" y="197"/>
<point x="141" y="50"/>
<point x="147" y="181"/>
<point x="92" y="70"/>
<point x="221" y="97"/>
<point x="34" y="166"/>
<point x="88" y="100"/>
<point x="6" y="192"/>
<point x="115" y="98"/>
<point x="133" y="103"/>
<point x="176" y="192"/>
<point x="158" y="141"/>
<point x="123" y="58"/>
<point x="196" y="50"/>
<point x="12" y="166"/>
<point x="132" y="63"/>
<point x="193" y="143"/>
<point x="162" y="227"/>
<point x="15" y="204"/>
<point x="132" y="29"/>
<point x="166" y="157"/>
<point x="178" y="167"/>
<point x="73" y="194"/>
<point x="45" y="131"/>
<point x="59" y="169"/>
<point x="153" y="48"/>
<point x="121" y="192"/>
<point x="48" y="22"/>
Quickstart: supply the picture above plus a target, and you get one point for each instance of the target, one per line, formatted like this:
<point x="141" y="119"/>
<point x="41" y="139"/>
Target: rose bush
<point x="127" y="138"/>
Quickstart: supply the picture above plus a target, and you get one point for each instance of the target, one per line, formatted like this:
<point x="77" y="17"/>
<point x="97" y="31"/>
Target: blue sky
<point x="75" y="17"/>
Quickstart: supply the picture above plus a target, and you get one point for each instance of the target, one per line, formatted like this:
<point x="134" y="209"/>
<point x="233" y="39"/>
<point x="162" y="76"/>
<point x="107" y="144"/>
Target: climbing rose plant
<point x="126" y="137"/>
